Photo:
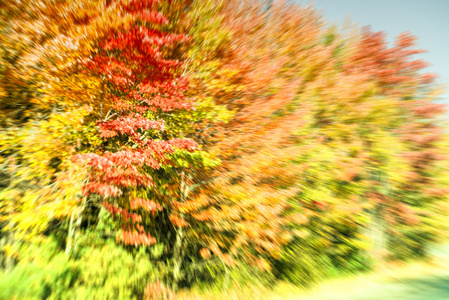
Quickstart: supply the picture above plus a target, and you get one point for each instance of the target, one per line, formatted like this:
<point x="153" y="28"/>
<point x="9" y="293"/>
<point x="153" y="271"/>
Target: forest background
<point x="149" y="147"/>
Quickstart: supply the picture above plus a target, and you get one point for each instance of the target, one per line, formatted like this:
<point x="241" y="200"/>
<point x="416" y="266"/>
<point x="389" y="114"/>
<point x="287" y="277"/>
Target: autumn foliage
<point x="205" y="139"/>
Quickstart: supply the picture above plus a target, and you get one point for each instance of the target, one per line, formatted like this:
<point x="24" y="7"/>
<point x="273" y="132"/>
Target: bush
<point x="106" y="272"/>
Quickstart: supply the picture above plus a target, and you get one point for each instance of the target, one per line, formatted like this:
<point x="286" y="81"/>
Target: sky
<point x="428" y="20"/>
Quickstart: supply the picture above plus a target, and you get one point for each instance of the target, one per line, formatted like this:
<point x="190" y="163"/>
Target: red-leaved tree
<point x="140" y="88"/>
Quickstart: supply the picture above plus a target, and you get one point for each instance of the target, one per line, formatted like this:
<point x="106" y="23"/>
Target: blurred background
<point x="185" y="149"/>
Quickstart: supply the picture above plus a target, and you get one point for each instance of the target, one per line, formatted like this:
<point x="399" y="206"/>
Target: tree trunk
<point x="377" y="228"/>
<point x="378" y="235"/>
<point x="70" y="234"/>
<point x="178" y="257"/>
<point x="9" y="260"/>
<point x="179" y="254"/>
<point x="74" y="229"/>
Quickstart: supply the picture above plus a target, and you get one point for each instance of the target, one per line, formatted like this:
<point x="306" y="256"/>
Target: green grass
<point x="419" y="280"/>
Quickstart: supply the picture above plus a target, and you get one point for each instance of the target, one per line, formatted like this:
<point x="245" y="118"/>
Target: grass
<point x="419" y="280"/>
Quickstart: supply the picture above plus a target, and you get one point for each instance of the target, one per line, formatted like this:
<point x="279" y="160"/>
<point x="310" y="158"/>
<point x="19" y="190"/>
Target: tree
<point x="140" y="168"/>
<point x="43" y="42"/>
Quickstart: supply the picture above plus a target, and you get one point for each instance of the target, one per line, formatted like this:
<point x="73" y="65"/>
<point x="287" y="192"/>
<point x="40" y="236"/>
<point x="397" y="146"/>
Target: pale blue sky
<point x="426" y="19"/>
